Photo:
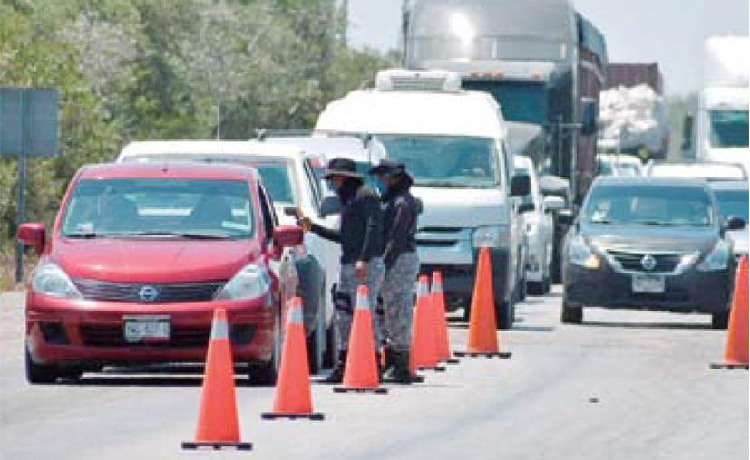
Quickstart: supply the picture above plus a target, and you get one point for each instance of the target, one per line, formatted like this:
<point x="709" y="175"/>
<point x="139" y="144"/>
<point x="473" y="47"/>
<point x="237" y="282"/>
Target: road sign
<point x="28" y="128"/>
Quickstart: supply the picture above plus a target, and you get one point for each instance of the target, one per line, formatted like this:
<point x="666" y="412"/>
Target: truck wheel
<point x="720" y="320"/>
<point x="535" y="288"/>
<point x="504" y="312"/>
<point x="37" y="374"/>
<point x="571" y="314"/>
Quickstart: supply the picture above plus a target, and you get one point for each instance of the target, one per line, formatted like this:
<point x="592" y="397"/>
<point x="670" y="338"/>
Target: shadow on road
<point x="142" y="381"/>
<point x="647" y="325"/>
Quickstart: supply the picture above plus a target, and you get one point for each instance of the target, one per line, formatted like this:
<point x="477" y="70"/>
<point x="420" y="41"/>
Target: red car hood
<point x="153" y="260"/>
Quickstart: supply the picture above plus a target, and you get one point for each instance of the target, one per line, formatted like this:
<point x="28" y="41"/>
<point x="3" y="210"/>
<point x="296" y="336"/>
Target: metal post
<point x="21" y="183"/>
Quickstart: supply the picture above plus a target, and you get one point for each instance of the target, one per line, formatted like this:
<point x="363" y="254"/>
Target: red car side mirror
<point x="32" y="234"/>
<point x="288" y="236"/>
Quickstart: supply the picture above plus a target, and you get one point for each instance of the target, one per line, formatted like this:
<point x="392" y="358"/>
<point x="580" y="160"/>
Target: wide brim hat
<point x="342" y="167"/>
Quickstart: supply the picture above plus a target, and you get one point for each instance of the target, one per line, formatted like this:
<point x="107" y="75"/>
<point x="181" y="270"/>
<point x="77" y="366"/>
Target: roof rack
<point x="263" y="134"/>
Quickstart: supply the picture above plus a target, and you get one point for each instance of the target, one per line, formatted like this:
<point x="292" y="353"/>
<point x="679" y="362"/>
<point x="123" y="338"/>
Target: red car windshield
<point x="130" y="207"/>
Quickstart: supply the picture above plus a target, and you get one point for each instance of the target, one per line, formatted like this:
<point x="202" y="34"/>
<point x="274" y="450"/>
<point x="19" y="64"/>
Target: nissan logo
<point x="648" y="262"/>
<point x="148" y="293"/>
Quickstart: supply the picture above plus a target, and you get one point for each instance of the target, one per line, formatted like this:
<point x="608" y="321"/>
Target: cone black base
<point x="481" y="354"/>
<point x="274" y="416"/>
<point x="217" y="445"/>
<point x="379" y="390"/>
<point x="451" y="361"/>
<point x="728" y="366"/>
<point x="436" y="369"/>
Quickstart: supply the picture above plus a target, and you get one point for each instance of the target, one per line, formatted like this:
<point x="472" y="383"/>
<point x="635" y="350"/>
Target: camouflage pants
<point x="398" y="300"/>
<point x="345" y="296"/>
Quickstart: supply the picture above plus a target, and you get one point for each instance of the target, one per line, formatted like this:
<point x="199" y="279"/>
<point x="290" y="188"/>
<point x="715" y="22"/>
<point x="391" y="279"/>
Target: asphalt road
<point x="625" y="385"/>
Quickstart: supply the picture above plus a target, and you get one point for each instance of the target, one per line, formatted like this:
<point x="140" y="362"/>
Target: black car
<point x="649" y="243"/>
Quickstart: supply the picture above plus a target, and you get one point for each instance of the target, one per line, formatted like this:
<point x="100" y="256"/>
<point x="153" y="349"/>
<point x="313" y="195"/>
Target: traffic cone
<point x="482" y="323"/>
<point x="736" y="352"/>
<point x="361" y="371"/>
<point x="438" y="305"/>
<point x="424" y="332"/>
<point x="217" y="422"/>
<point x="292" y="399"/>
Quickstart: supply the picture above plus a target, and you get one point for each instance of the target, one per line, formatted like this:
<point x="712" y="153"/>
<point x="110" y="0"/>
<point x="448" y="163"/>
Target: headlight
<point x="493" y="236"/>
<point x="717" y="259"/>
<point x="49" y="279"/>
<point x="582" y="255"/>
<point x="249" y="283"/>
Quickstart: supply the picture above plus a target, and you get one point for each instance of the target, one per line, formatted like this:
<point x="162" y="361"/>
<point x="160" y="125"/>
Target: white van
<point x="288" y="174"/>
<point x="455" y="144"/>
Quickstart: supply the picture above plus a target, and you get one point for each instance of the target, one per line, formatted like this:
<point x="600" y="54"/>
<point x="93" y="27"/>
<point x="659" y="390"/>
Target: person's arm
<point x="373" y="217"/>
<point x="327" y="233"/>
<point x="397" y="236"/>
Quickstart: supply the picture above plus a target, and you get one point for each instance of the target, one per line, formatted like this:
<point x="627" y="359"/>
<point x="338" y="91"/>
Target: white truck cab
<point x="454" y="142"/>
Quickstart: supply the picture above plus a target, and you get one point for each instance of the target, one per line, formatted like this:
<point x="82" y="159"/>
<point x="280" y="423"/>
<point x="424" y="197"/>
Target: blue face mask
<point x="331" y="185"/>
<point x="382" y="188"/>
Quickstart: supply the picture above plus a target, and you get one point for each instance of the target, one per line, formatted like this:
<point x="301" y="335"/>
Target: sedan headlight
<point x="494" y="236"/>
<point x="49" y="279"/>
<point x="250" y="282"/>
<point x="582" y="255"/>
<point x="717" y="259"/>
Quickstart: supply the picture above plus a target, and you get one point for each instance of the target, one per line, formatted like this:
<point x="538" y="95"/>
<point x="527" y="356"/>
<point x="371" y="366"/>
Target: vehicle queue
<point x="144" y="250"/>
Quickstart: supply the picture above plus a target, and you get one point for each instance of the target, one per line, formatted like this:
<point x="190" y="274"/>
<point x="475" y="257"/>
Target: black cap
<point x="388" y="167"/>
<point x="342" y="167"/>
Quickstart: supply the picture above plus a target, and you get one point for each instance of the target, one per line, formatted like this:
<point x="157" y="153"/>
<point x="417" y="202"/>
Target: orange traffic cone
<point x="361" y="371"/>
<point x="438" y="305"/>
<point x="736" y="352"/>
<point x="292" y="399"/>
<point x="217" y="422"/>
<point x="424" y="332"/>
<point x="482" y="324"/>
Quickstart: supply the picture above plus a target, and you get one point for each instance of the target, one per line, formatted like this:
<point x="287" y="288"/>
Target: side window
<point x="269" y="216"/>
<point x="507" y="169"/>
<point x="313" y="184"/>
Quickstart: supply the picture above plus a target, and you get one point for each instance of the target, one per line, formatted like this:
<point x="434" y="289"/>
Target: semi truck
<point x="721" y="122"/>
<point x="542" y="61"/>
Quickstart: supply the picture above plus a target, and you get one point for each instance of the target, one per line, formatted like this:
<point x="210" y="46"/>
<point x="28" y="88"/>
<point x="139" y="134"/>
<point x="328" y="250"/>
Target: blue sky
<point x="670" y="32"/>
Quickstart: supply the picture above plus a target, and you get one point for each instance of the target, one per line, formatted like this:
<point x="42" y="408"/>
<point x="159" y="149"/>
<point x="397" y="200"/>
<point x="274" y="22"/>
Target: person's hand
<point x="360" y="270"/>
<point x="304" y="222"/>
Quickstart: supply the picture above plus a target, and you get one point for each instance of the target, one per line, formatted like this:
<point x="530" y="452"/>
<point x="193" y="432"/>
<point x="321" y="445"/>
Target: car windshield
<point x="732" y="203"/>
<point x="648" y="205"/>
<point x="446" y="161"/>
<point x="729" y="128"/>
<point x="159" y="207"/>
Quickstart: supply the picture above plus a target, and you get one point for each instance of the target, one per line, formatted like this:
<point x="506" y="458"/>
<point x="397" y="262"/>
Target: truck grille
<point x="159" y="293"/>
<point x="632" y="261"/>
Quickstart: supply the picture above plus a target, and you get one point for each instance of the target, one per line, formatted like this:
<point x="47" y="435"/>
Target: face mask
<point x="382" y="188"/>
<point x="331" y="185"/>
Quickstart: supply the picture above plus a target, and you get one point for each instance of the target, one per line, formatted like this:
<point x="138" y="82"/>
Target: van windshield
<point x="446" y="161"/>
<point x="131" y="207"/>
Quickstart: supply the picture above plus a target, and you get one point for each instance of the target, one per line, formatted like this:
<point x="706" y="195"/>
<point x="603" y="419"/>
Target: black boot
<point x="390" y="359"/>
<point x="399" y="373"/>
<point x="379" y="363"/>
<point x="337" y="374"/>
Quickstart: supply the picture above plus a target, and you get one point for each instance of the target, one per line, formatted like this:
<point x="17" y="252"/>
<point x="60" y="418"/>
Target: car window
<point x="732" y="203"/>
<point x="143" y="206"/>
<point x="270" y="220"/>
<point x="313" y="184"/>
<point x="652" y="205"/>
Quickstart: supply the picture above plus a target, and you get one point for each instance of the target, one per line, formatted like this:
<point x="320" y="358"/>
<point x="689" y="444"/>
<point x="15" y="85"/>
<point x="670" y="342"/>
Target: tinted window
<point x="732" y="203"/>
<point x="729" y="128"/>
<point x="275" y="177"/>
<point x="524" y="102"/>
<point x="651" y="205"/>
<point x="121" y="207"/>
<point x="446" y="161"/>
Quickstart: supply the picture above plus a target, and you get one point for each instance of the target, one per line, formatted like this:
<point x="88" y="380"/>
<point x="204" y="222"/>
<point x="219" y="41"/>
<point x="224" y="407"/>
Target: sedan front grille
<point x="633" y="261"/>
<point x="146" y="293"/>
<point x="112" y="336"/>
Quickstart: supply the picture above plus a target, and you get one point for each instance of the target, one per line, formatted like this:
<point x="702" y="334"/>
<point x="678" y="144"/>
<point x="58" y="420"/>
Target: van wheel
<point x="720" y="320"/>
<point x="37" y="374"/>
<point x="504" y="313"/>
<point x="571" y="314"/>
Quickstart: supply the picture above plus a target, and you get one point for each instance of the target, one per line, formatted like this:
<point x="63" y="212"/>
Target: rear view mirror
<point x="288" y="236"/>
<point x="589" y="116"/>
<point x="553" y="203"/>
<point x="520" y="186"/>
<point x="734" y="223"/>
<point x="330" y="206"/>
<point x="525" y="207"/>
<point x="32" y="234"/>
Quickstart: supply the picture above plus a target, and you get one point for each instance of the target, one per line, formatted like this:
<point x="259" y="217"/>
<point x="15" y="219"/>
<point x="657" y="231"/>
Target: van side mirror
<point x="553" y="203"/>
<point x="589" y="116"/>
<point x="525" y="207"/>
<point x="734" y="223"/>
<point x="330" y="206"/>
<point x="566" y="217"/>
<point x="520" y="186"/>
<point x="32" y="234"/>
<point x="688" y="123"/>
<point x="288" y="236"/>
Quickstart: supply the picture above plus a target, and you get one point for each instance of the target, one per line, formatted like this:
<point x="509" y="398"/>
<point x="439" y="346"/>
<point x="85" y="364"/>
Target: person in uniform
<point x="400" y="211"/>
<point x="361" y="238"/>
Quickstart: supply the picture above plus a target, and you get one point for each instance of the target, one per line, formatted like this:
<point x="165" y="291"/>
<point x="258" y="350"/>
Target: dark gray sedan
<point x="649" y="243"/>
